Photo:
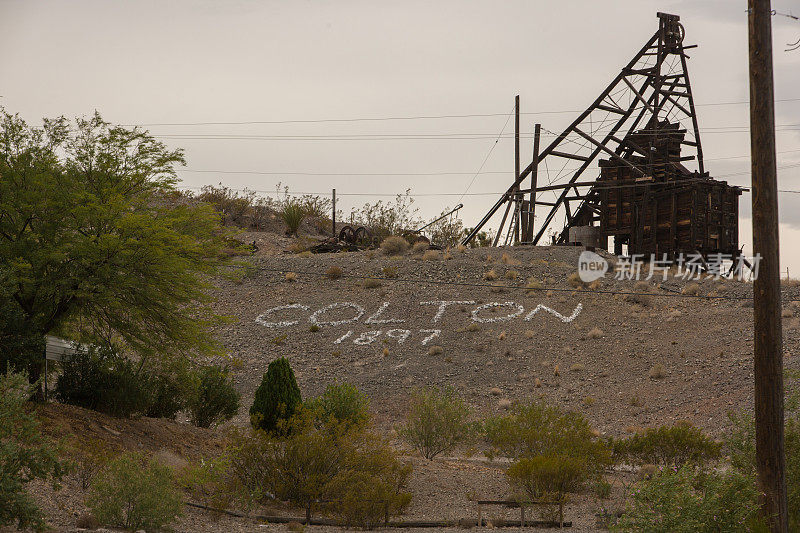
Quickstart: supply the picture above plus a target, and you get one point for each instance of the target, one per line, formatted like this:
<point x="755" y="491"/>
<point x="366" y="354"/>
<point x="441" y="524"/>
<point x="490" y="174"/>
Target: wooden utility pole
<point x="333" y="215"/>
<point x="768" y="350"/>
<point x="537" y="131"/>
<point x="517" y="197"/>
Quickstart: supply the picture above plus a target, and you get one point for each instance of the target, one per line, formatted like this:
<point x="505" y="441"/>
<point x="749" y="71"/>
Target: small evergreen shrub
<point x="436" y="422"/>
<point x="276" y="399"/>
<point x="215" y="399"/>
<point x="133" y="493"/>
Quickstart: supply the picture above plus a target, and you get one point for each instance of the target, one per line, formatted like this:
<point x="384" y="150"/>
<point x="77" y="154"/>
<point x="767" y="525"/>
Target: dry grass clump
<point x="577" y="367"/>
<point x="594" y="333"/>
<point x="575" y="280"/>
<point x="588" y="401"/>
<point x="787" y="313"/>
<point x="658" y="371"/>
<point x="790" y="282"/>
<point x="502" y="336"/>
<point x="291" y="276"/>
<point x="386" y="352"/>
<point x="431" y="255"/>
<point x="448" y="254"/>
<point x="508" y="260"/>
<point x="512" y="274"/>
<point x="595" y="285"/>
<point x="473" y="327"/>
<point x="692" y="289"/>
<point x="461" y="248"/>
<point x="495" y="391"/>
<point x="420" y="247"/>
<point x="504" y="403"/>
<point x="371" y="283"/>
<point x="635" y="401"/>
<point x="529" y="334"/>
<point x="435" y="350"/>
<point x="537" y="383"/>
<point x="489" y="258"/>
<point x="333" y="272"/>
<point x="533" y="285"/>
<point x="641" y="294"/>
<point x="389" y="272"/>
<point x="556" y="370"/>
<point x="490" y="276"/>
<point x="394" y="245"/>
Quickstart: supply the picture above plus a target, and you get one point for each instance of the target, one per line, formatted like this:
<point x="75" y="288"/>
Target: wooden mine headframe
<point x="644" y="197"/>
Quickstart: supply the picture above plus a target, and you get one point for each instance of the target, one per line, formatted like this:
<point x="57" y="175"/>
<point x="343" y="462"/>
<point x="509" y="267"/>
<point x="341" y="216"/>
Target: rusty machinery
<point x="640" y="130"/>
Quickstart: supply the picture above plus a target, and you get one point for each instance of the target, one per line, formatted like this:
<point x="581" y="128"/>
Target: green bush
<point x="133" y="493"/>
<point x="356" y="472"/>
<point x="101" y="380"/>
<point x="548" y="477"/>
<point x="688" y="500"/>
<point x="25" y="455"/>
<point x="292" y="215"/>
<point x="214" y="399"/>
<point x="539" y="429"/>
<point x="276" y="399"/>
<point x="437" y="421"/>
<point x="668" y="446"/>
<point x="344" y="402"/>
<point x="209" y="482"/>
<point x="169" y="389"/>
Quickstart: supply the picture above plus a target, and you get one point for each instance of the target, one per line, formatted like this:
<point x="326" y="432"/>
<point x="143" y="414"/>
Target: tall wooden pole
<point x="517" y="197"/>
<point x="768" y="351"/>
<point x="333" y="215"/>
<point x="537" y="131"/>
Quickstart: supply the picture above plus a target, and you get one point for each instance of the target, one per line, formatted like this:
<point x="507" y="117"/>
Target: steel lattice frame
<point x="654" y="86"/>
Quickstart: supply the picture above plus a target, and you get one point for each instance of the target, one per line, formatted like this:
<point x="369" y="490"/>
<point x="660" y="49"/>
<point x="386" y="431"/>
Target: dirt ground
<point x="592" y="350"/>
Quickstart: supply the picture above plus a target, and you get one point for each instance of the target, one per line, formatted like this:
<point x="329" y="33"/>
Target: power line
<point x="278" y="173"/>
<point x="412" y="117"/>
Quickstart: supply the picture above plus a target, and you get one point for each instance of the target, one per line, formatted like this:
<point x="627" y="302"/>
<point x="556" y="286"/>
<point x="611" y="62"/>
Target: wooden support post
<point x="517" y="197"/>
<point x="480" y="516"/>
<point x="521" y="515"/>
<point x="308" y="513"/>
<point x="537" y="129"/>
<point x="333" y="215"/>
<point x="768" y="350"/>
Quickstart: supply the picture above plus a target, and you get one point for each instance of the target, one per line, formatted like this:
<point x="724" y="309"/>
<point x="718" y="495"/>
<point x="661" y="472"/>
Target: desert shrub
<point x="688" y="500"/>
<point x="386" y="218"/>
<point x="547" y="477"/>
<point x="169" y="388"/>
<point x="371" y="283"/>
<point x="431" y="255"/>
<point x="394" y="245"/>
<point x="89" y="456"/>
<point x="669" y="446"/>
<point x="134" y="493"/>
<point x="420" y="247"/>
<point x="490" y="275"/>
<point x="342" y="402"/>
<point x="657" y="371"/>
<point x="333" y="272"/>
<point x="214" y="399"/>
<point x="292" y="215"/>
<point x="370" y="486"/>
<point x="229" y="203"/>
<point x="25" y="455"/>
<point x="209" y="482"/>
<point x="355" y="471"/>
<point x="538" y="429"/>
<point x="436" y="422"/>
<point x="481" y="240"/>
<point x="276" y="399"/>
<point x="574" y="280"/>
<point x="389" y="272"/>
<point x="692" y="289"/>
<point x="101" y="380"/>
<point x="290" y="276"/>
<point x="512" y="274"/>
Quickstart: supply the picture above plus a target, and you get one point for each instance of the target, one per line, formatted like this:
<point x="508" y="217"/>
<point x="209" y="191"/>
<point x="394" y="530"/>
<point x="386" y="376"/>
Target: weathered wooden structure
<point x="639" y="132"/>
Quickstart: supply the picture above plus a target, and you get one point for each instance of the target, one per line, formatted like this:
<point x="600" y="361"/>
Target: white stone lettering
<point x="343" y="337"/>
<point x="400" y="334"/>
<point x="262" y="318"/>
<point x="374" y="319"/>
<point x="433" y="334"/>
<point x="368" y="337"/>
<point x="519" y="310"/>
<point x="314" y="318"/>
<point x="555" y="313"/>
<point x="443" y="305"/>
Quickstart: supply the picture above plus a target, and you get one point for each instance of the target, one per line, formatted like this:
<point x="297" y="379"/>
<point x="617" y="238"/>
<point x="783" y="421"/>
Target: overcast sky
<point x="177" y="62"/>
